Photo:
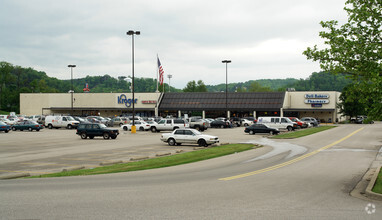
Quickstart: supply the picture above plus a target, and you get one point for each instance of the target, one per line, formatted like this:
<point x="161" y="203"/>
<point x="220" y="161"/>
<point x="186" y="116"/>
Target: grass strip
<point x="302" y="132"/>
<point x="159" y="162"/>
<point x="378" y="184"/>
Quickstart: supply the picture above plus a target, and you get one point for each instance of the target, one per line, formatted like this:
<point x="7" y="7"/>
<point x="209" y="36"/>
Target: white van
<point x="278" y="122"/>
<point x="61" y="122"/>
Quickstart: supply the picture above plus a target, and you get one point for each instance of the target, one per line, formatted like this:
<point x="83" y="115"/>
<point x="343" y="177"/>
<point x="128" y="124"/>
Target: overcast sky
<point x="264" y="39"/>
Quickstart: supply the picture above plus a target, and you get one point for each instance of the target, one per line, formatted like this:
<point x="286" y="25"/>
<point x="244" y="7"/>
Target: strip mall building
<point x="321" y="105"/>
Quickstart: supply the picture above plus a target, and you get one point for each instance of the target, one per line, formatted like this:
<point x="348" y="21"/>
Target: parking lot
<point x="53" y="150"/>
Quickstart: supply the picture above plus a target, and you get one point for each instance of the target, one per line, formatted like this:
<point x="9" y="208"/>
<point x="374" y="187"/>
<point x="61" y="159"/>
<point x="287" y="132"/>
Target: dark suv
<point x="96" y="129"/>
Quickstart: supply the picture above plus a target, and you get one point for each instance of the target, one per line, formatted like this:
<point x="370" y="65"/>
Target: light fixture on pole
<point x="132" y="33"/>
<point x="169" y="82"/>
<point x="226" y="84"/>
<point x="71" y="66"/>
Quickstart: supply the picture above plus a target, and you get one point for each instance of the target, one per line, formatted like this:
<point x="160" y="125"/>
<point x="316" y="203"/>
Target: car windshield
<point x="102" y="126"/>
<point x="2" y="123"/>
<point x="70" y="118"/>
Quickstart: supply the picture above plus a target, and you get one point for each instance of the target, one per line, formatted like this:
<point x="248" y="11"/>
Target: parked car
<point x="96" y="129"/>
<point x="198" y="124"/>
<point x="278" y="122"/>
<point x="220" y="124"/>
<point x="188" y="136"/>
<point x="27" y="125"/>
<point x="4" y="127"/>
<point x="169" y="124"/>
<point x="261" y="128"/>
<point x="246" y="122"/>
<point x="300" y="124"/>
<point x="140" y="126"/>
<point x="235" y="121"/>
<point x="310" y="120"/>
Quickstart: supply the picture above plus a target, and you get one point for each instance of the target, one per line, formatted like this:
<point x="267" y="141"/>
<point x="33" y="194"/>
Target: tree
<point x="355" y="50"/>
<point x="256" y="87"/>
<point x="192" y="86"/>
<point x="350" y="105"/>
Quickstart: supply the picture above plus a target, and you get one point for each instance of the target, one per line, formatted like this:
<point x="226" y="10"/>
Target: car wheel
<point x="171" y="142"/>
<point x="84" y="135"/>
<point x="50" y="126"/>
<point x="202" y="143"/>
<point x="13" y="129"/>
<point x="120" y="124"/>
<point x="6" y="131"/>
<point x="289" y="128"/>
<point x="245" y="125"/>
<point x="251" y="132"/>
<point x="69" y="126"/>
<point x="175" y="128"/>
<point x="106" y="136"/>
<point x="125" y="128"/>
<point x="114" y="137"/>
<point x="37" y="129"/>
<point x="221" y="126"/>
<point x="178" y="144"/>
<point x="141" y="129"/>
<point x="91" y="136"/>
<point x="30" y="129"/>
<point x="197" y="128"/>
<point x="153" y="129"/>
<point x="271" y="132"/>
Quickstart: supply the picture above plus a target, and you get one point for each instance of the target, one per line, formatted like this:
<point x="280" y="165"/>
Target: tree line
<point x="15" y="80"/>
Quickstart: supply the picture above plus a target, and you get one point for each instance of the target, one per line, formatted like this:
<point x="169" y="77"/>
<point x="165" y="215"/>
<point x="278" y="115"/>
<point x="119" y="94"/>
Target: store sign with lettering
<point x="149" y="102"/>
<point x="122" y="99"/>
<point x="317" y="101"/>
<point x="317" y="96"/>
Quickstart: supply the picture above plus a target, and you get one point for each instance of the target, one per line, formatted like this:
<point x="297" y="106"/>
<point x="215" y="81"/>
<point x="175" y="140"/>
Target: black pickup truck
<point x="96" y="129"/>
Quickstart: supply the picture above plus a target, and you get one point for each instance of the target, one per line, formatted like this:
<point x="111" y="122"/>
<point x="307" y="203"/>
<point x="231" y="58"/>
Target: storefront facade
<point x="320" y="105"/>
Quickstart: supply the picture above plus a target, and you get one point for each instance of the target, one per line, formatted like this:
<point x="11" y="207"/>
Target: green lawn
<point x="159" y="162"/>
<point x="378" y="184"/>
<point x="302" y="132"/>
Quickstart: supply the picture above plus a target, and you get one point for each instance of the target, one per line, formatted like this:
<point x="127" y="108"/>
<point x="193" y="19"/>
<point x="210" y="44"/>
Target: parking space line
<point x="48" y="164"/>
<point x="100" y="154"/>
<point x="290" y="161"/>
<point x="20" y="171"/>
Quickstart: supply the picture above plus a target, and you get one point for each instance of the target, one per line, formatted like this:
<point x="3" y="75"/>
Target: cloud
<point x="264" y="39"/>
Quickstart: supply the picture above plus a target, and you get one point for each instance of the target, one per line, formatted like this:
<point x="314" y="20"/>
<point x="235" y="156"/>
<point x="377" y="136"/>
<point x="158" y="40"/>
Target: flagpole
<point x="157" y="70"/>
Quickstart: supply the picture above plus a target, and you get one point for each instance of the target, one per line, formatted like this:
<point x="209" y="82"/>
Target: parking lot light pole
<point x="226" y="84"/>
<point x="71" y="66"/>
<point x="132" y="33"/>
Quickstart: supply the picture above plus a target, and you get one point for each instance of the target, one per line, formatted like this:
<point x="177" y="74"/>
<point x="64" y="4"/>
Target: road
<point x="314" y="187"/>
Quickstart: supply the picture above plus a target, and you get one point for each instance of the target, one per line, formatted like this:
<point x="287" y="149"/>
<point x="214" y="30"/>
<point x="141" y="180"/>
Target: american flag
<point x="161" y="72"/>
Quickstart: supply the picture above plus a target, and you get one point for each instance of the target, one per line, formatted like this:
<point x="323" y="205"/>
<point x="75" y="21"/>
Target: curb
<point x="73" y="168"/>
<point x="368" y="192"/>
<point x="14" y="176"/>
<point x="163" y="154"/>
<point x="110" y="163"/>
<point x="139" y="158"/>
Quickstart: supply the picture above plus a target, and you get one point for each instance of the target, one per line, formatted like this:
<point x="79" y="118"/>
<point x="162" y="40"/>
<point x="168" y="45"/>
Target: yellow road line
<point x="290" y="161"/>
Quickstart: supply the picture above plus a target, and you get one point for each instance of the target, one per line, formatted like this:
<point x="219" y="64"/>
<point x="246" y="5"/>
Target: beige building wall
<point x="302" y="103"/>
<point x="106" y="103"/>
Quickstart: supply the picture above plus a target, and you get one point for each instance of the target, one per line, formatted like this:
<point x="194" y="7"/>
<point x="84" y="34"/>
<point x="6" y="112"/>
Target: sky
<point x="263" y="39"/>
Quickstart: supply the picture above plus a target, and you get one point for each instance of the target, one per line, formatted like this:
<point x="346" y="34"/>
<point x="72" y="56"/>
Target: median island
<point x="159" y="162"/>
<point x="302" y="132"/>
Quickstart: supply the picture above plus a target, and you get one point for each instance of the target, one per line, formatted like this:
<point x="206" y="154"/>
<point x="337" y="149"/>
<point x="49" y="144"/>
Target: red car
<point x="300" y="124"/>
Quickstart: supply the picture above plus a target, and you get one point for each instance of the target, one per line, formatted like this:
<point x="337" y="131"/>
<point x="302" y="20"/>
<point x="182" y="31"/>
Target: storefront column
<point x="254" y="114"/>
<point x="156" y="112"/>
<point x="281" y="112"/>
<point x="203" y="114"/>
<point x="179" y="114"/>
<point x="228" y="114"/>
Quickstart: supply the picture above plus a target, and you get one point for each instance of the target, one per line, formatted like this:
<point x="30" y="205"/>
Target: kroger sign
<point x="122" y="99"/>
